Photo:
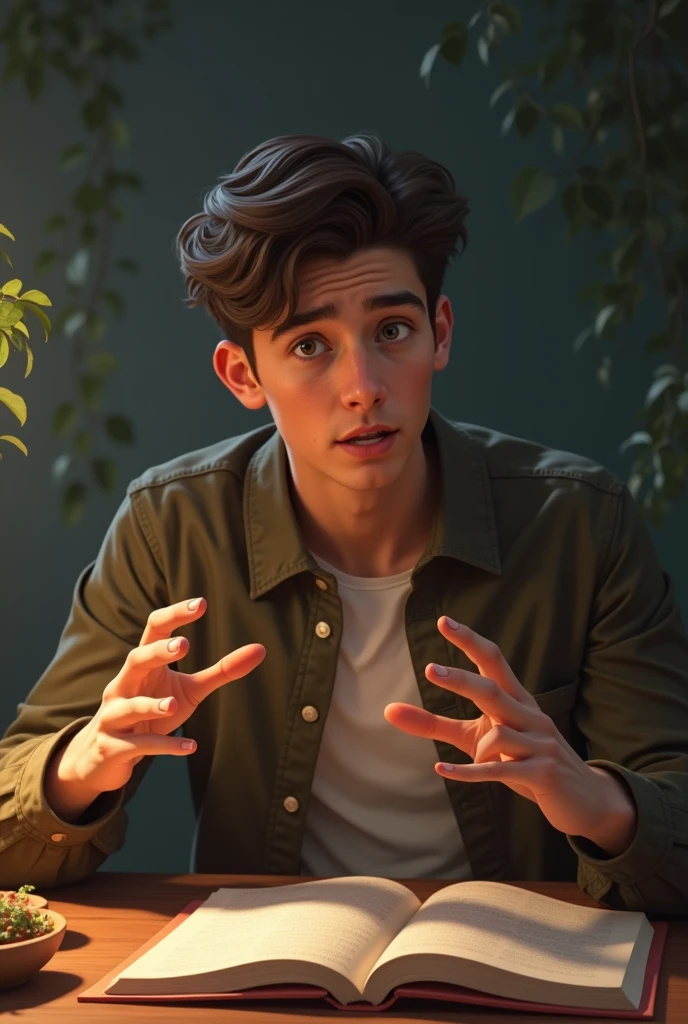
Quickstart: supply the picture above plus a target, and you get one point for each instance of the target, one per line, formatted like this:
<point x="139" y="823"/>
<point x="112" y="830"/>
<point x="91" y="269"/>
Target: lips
<point x="380" y="435"/>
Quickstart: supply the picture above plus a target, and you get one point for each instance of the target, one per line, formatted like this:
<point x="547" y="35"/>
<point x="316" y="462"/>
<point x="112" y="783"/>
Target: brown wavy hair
<point x="295" y="197"/>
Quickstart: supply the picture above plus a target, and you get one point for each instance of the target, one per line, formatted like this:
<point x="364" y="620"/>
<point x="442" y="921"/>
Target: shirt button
<point x="309" y="713"/>
<point x="291" y="804"/>
<point x="57" y="837"/>
<point x="323" y="629"/>
<point x="321" y="583"/>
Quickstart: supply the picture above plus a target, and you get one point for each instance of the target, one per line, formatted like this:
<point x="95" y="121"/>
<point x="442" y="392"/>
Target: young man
<point x="326" y="739"/>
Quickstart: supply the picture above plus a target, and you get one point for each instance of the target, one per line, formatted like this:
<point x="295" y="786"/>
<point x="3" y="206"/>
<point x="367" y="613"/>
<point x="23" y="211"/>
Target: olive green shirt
<point x="542" y="551"/>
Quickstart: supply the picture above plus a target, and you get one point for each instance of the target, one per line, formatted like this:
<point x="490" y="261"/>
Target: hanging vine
<point x="624" y="65"/>
<point x="81" y="41"/>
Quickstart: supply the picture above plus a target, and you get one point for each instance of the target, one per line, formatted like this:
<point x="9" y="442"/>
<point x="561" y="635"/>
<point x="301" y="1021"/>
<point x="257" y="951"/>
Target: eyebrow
<point x="330" y="311"/>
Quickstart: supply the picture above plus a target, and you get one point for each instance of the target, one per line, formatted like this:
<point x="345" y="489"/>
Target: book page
<point x="523" y="932"/>
<point x="343" y="924"/>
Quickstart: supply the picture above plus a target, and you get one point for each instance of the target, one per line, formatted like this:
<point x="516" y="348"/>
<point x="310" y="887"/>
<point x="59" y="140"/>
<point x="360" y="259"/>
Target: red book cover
<point x="418" y="990"/>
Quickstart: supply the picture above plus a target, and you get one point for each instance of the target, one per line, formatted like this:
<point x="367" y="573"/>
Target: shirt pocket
<point x="558" y="704"/>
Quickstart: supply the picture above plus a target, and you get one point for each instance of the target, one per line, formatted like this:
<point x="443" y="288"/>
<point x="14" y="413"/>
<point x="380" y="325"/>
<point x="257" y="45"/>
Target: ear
<point x="232" y="367"/>
<point x="444" y="323"/>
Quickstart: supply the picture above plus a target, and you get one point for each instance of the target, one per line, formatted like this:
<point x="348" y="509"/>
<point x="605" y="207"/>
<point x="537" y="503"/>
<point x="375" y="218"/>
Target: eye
<point x="393" y="341"/>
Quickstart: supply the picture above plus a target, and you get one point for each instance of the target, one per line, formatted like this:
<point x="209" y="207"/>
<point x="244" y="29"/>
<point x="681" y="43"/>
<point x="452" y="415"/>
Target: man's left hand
<point x="513" y="742"/>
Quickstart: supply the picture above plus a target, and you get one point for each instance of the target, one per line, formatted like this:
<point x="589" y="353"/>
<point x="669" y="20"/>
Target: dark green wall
<point x="228" y="77"/>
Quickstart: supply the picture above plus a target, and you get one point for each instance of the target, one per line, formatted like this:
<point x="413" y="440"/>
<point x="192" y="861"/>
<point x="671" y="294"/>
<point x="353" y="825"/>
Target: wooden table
<point x="113" y="913"/>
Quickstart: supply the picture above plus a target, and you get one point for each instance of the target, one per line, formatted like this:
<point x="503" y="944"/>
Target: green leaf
<point x="74" y="323"/>
<point x="566" y="115"/>
<point x="10" y="313"/>
<point x="6" y="231"/>
<point x="102" y="362"/>
<point x="4" y="348"/>
<point x="554" y="65"/>
<point x="581" y="338"/>
<point x="625" y="257"/>
<point x="5" y="257"/>
<point x="91" y="390"/>
<point x="114" y="300"/>
<point x="667" y="7"/>
<point x="531" y="189"/>
<point x="124" y="263"/>
<point x="558" y="139"/>
<point x="508" y="121"/>
<point x="73" y="503"/>
<point x="598" y="200"/>
<point x="603" y="370"/>
<point x="76" y="269"/>
<point x="83" y="443"/>
<point x="657" y="388"/>
<point x="511" y="14"/>
<point x="426" y="65"/>
<point x="15" y="403"/>
<point x="56" y="221"/>
<point x="45" y="259"/>
<point x="88" y="199"/>
<point x="35" y="296"/>
<point x="65" y="416"/>
<point x="453" y="42"/>
<point x="105" y="472"/>
<point x="603" y="318"/>
<point x="120" y="133"/>
<point x="119" y="428"/>
<point x="95" y="326"/>
<point x="502" y="88"/>
<point x="682" y="402"/>
<point x="483" y="46"/>
<point x="526" y="118"/>
<point x="72" y="156"/>
<point x="60" y="466"/>
<point x="640" y="437"/>
<point x="659" y="341"/>
<point x="15" y="441"/>
<point x="88" y="233"/>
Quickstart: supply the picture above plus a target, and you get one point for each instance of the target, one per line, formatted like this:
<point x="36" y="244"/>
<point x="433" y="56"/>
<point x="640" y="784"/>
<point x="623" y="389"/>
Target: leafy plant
<point x="13" y="330"/>
<point x="19" y="920"/>
<point x="623" y="62"/>
<point x="81" y="41"/>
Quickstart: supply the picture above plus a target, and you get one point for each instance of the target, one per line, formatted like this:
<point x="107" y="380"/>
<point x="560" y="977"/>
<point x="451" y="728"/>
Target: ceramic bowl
<point x="19" y="960"/>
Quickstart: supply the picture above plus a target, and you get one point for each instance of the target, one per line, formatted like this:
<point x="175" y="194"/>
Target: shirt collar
<point x="464" y="525"/>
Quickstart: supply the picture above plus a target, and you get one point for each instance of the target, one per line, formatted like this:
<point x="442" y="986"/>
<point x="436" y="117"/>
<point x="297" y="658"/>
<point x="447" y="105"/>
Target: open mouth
<point x="372" y="439"/>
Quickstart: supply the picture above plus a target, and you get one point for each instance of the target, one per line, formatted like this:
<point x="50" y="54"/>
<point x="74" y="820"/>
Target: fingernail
<point x="440" y="669"/>
<point x="451" y="623"/>
<point x="175" y="644"/>
<point x="193" y="605"/>
<point x="187" y="744"/>
<point x="164" y="704"/>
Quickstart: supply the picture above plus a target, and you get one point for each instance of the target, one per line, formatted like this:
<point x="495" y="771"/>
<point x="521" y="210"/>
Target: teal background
<point x="226" y="78"/>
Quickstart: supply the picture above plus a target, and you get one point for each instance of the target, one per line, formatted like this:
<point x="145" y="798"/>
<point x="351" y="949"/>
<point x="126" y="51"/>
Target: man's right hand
<point x="140" y="707"/>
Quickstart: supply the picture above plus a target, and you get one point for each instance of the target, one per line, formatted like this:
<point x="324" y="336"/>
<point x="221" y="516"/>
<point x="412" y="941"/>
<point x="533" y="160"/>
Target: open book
<point x="358" y="937"/>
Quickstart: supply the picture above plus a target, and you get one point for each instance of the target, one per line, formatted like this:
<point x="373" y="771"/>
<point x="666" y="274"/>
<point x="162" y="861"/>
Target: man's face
<point x="324" y="378"/>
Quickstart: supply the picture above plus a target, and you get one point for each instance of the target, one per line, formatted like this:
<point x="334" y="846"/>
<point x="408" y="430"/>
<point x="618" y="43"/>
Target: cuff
<point x="650" y="846"/>
<point x="36" y="816"/>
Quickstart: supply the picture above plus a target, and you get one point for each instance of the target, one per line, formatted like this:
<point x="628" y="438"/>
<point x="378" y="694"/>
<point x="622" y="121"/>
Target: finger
<point x="141" y="660"/>
<point x="122" y="712"/>
<point x="530" y="773"/>
<point x="234" y="665"/>
<point x="488" y="658"/>
<point x="120" y="749"/>
<point x="419" y="722"/>
<point x="163" y="621"/>
<point x="490" y="698"/>
<point x="501" y="740"/>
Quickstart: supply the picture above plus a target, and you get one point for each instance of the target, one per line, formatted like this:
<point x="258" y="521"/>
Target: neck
<point x="383" y="535"/>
